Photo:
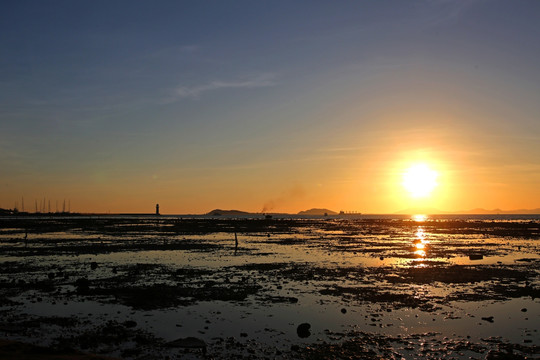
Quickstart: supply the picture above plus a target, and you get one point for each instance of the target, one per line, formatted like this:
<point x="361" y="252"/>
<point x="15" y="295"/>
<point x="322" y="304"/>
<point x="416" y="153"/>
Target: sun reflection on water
<point x="420" y="244"/>
<point x="420" y="253"/>
<point x="419" y="217"/>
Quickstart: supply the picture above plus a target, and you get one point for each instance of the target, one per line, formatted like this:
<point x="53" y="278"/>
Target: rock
<point x="243" y="334"/>
<point x="93" y="265"/>
<point x="502" y="355"/>
<point x="303" y="330"/>
<point x="343" y="311"/>
<point x="51" y="276"/>
<point x="524" y="310"/>
<point x="130" y="353"/>
<point x="130" y="323"/>
<point x="82" y="285"/>
<point x="488" y="319"/>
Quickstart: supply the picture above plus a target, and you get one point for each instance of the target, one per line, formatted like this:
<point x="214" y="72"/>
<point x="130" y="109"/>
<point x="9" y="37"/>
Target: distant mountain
<point x="499" y="211"/>
<point x="480" y="211"/>
<point x="217" y="212"/>
<point x="476" y="211"/>
<point x="315" y="211"/>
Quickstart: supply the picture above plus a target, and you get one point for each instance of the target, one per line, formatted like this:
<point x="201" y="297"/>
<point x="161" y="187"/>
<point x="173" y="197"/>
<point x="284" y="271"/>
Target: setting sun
<point x="420" y="180"/>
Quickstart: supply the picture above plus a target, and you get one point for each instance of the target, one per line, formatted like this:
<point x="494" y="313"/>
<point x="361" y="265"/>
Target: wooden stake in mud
<point x="235" y="242"/>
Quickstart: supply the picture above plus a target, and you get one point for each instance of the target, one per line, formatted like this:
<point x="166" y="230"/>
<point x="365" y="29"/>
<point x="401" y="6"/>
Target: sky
<point x="273" y="106"/>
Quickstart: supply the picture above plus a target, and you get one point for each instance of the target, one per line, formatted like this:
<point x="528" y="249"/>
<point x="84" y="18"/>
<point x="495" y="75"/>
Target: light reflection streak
<point x="421" y="245"/>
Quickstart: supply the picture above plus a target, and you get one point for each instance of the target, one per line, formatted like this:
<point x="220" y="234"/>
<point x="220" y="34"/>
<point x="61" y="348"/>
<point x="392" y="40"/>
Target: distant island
<point x="310" y="212"/>
<point x="316" y="211"/>
<point x="218" y="212"/>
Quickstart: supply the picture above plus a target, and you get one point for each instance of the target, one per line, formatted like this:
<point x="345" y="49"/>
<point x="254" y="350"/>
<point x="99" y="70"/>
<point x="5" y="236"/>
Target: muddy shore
<point x="153" y="287"/>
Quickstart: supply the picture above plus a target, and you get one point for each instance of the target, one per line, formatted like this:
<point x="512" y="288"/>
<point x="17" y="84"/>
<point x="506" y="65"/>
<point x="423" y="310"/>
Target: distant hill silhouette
<point x="316" y="211"/>
<point x="476" y="211"/>
<point x="503" y="212"/>
<point x="217" y="212"/>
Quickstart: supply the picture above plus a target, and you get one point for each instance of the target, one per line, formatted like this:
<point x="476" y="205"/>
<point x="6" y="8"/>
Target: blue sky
<point x="121" y="104"/>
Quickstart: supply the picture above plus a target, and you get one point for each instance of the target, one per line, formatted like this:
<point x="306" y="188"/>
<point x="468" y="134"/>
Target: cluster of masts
<point x="44" y="206"/>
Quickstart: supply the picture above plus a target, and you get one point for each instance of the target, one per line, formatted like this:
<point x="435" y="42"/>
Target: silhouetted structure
<point x="235" y="242"/>
<point x="157" y="209"/>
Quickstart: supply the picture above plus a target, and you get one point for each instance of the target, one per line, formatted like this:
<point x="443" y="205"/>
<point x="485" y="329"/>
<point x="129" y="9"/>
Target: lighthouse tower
<point x="157" y="209"/>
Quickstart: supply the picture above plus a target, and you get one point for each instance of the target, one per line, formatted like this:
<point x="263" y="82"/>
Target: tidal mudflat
<point x="374" y="288"/>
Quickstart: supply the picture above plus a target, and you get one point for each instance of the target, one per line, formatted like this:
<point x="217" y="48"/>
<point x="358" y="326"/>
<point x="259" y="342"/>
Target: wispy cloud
<point x="259" y="81"/>
<point x="445" y="11"/>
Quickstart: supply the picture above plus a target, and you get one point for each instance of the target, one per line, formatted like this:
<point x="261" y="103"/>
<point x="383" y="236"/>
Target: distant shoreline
<point x="315" y="212"/>
<point x="274" y="216"/>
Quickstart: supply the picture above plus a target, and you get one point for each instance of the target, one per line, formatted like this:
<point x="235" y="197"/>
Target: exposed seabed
<point x="156" y="287"/>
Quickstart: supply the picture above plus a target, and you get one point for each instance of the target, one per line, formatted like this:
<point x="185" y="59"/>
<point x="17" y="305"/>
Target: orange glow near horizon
<point x="367" y="182"/>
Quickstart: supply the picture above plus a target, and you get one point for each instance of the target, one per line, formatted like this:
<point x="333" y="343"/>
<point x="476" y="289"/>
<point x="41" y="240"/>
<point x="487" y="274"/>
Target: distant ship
<point x="349" y="213"/>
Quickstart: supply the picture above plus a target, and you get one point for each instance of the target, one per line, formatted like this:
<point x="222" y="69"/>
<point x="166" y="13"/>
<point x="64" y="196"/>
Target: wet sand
<point x="156" y="287"/>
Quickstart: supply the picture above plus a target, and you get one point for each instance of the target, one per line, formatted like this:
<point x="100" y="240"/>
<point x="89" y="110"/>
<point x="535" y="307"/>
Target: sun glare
<point x="420" y="180"/>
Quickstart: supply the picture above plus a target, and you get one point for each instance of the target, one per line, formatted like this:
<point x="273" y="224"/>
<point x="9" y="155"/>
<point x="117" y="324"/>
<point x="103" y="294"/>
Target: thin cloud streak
<point x="194" y="92"/>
